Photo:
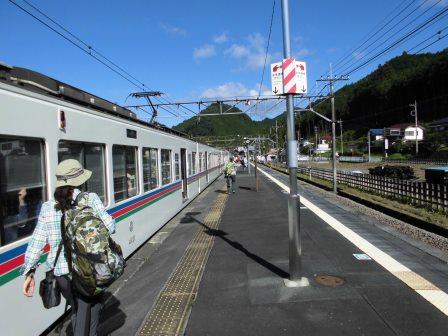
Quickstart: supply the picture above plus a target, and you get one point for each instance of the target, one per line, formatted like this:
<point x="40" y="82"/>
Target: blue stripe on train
<point x="16" y="251"/>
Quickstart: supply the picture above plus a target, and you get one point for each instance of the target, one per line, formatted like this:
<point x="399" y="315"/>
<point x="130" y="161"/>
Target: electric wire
<point x="267" y="48"/>
<point x="427" y="39"/>
<point x="362" y="51"/>
<point x="351" y="63"/>
<point x="441" y="37"/>
<point x="350" y="52"/>
<point x="86" y="48"/>
<point x="401" y="40"/>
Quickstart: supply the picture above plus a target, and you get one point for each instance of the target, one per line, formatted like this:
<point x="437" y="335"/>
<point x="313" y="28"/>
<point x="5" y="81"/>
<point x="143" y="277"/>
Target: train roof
<point x="37" y="82"/>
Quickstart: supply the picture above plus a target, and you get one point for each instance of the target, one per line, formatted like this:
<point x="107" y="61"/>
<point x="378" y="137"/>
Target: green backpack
<point x="94" y="259"/>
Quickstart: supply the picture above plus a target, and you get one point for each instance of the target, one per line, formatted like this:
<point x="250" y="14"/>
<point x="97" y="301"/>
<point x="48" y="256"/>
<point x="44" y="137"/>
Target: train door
<point x="183" y="172"/>
<point x="206" y="166"/>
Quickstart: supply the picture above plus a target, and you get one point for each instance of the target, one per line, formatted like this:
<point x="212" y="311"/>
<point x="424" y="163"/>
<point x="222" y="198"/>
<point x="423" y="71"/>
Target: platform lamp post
<point x="295" y="245"/>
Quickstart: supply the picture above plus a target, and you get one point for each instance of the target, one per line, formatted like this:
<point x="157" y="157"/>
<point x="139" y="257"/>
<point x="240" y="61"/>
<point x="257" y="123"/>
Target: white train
<point x="143" y="174"/>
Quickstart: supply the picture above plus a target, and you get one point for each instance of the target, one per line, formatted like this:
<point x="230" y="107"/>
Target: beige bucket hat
<point x="71" y="173"/>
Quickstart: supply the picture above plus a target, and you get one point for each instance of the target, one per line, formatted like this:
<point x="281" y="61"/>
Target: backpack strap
<point x="57" y="254"/>
<point x="80" y="196"/>
<point x="68" y="253"/>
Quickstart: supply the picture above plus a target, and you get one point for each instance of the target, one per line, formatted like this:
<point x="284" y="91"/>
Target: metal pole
<point x="257" y="151"/>
<point x="416" y="130"/>
<point x="342" y="142"/>
<point x="295" y="246"/>
<point x="248" y="160"/>
<point x="368" y="141"/>
<point x="333" y="132"/>
<point x="276" y="141"/>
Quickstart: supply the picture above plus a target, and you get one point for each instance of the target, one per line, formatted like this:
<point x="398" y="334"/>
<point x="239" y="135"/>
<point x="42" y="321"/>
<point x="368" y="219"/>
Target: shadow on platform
<point x="112" y="317"/>
<point x="222" y="235"/>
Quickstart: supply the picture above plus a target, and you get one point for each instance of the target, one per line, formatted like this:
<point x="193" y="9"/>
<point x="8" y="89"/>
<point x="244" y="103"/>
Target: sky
<point x="198" y="50"/>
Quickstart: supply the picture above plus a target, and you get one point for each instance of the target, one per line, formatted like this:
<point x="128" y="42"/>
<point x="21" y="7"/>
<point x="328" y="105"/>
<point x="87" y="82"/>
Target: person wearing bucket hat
<point x="70" y="176"/>
<point x="71" y="173"/>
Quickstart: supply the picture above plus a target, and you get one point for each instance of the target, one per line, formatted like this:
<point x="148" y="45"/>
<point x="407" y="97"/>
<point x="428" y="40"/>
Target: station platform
<point x="218" y="268"/>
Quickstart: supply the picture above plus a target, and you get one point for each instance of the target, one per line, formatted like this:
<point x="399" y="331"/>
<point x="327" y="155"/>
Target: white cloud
<point x="230" y="89"/>
<point x="234" y="89"/>
<point x="205" y="51"/>
<point x="173" y="30"/>
<point x="221" y="38"/>
<point x="302" y="53"/>
<point x="252" y="53"/>
<point x="237" y="51"/>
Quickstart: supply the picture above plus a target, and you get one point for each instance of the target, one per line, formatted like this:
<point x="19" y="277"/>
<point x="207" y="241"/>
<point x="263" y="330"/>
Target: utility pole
<point x="332" y="80"/>
<point x="315" y="144"/>
<point x="368" y="142"/>
<point x="295" y="245"/>
<point x="276" y="140"/>
<point x="414" y="114"/>
<point x="342" y="143"/>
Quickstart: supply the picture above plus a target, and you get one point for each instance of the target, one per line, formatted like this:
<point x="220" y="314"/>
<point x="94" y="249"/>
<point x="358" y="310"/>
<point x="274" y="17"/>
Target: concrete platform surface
<point x="242" y="290"/>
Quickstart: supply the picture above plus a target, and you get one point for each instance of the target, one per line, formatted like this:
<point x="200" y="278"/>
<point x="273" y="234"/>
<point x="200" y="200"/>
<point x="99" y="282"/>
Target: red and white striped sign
<point x="289" y="76"/>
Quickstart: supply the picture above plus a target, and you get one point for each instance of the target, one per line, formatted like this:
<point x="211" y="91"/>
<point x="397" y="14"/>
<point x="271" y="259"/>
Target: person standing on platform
<point x="230" y="174"/>
<point x="70" y="178"/>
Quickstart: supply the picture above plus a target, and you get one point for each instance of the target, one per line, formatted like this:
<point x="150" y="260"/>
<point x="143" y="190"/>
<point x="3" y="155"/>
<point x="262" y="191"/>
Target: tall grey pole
<point x="248" y="160"/>
<point x="276" y="140"/>
<point x="295" y="246"/>
<point x="342" y="142"/>
<point x="368" y="142"/>
<point x="416" y="129"/>
<point x="333" y="132"/>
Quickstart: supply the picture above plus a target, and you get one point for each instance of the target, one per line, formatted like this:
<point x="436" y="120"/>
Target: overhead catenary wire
<point x="362" y="52"/>
<point x="399" y="41"/>
<point x="87" y="48"/>
<point x="365" y="54"/>
<point x="441" y="37"/>
<point x="267" y="48"/>
<point x="438" y="33"/>
<point x="366" y="38"/>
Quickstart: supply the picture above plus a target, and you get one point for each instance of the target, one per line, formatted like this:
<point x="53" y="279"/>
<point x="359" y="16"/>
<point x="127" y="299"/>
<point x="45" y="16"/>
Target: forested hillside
<point x="223" y="125"/>
<point x="383" y="97"/>
<point x="378" y="100"/>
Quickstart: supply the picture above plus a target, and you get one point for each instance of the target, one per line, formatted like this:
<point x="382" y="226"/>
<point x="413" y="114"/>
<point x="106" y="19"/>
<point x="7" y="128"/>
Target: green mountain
<point x="230" y="124"/>
<point x="379" y="100"/>
<point x="382" y="98"/>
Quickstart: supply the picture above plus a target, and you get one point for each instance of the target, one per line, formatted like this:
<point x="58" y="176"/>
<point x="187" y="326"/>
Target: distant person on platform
<point x="230" y="175"/>
<point x="243" y="163"/>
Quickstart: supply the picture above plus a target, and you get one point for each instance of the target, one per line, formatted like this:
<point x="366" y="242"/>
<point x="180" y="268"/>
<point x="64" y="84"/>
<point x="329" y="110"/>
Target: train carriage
<point x="143" y="174"/>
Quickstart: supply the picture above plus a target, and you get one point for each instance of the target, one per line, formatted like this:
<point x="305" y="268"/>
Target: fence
<point x="417" y="161"/>
<point x="423" y="194"/>
<point x="352" y="159"/>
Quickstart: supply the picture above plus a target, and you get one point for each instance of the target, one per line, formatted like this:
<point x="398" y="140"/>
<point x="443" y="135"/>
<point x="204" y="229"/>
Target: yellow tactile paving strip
<point x="172" y="307"/>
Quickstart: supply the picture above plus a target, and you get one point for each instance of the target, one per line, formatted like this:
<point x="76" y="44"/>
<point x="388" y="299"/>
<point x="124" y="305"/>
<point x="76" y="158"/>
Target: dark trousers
<point x="85" y="313"/>
<point x="231" y="179"/>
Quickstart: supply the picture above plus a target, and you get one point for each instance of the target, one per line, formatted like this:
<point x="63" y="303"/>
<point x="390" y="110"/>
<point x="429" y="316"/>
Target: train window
<point x="150" y="168"/>
<point x="166" y="165"/>
<point x="176" y="167"/>
<point x="193" y="163"/>
<point x="22" y="186"/>
<point x="189" y="164"/>
<point x="91" y="156"/>
<point x="125" y="172"/>
<point x="200" y="163"/>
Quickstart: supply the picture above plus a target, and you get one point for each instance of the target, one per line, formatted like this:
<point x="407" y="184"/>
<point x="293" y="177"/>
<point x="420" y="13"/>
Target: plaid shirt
<point x="48" y="230"/>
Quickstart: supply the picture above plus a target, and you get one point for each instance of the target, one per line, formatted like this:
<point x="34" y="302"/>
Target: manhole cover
<point x="329" y="280"/>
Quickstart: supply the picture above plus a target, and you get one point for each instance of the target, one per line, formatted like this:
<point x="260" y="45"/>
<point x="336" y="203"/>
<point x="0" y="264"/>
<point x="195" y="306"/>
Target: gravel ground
<point x="429" y="242"/>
